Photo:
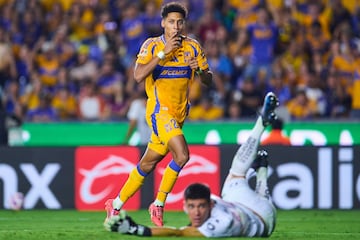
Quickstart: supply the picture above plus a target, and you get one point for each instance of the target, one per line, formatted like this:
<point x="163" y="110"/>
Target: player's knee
<point x="147" y="166"/>
<point x="182" y="159"/>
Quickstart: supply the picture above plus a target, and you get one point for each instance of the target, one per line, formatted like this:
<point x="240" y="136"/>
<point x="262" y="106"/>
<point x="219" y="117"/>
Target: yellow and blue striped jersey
<point x="167" y="87"/>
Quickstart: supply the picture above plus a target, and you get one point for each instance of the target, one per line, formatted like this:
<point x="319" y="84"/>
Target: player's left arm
<point x="199" y="64"/>
<point x="124" y="224"/>
<point x="179" y="232"/>
<point x="205" y="75"/>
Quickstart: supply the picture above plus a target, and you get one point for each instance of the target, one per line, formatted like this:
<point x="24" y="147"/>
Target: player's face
<point x="198" y="211"/>
<point x="173" y="24"/>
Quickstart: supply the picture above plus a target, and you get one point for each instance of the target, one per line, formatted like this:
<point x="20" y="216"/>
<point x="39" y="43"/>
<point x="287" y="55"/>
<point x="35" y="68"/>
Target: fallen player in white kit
<point x="241" y="211"/>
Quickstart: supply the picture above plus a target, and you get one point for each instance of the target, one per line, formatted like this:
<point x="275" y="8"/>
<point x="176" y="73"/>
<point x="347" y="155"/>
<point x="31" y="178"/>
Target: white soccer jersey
<point x="137" y="112"/>
<point x="231" y="219"/>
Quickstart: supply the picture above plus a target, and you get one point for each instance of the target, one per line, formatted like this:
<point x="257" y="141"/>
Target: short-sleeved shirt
<point x="229" y="219"/>
<point x="167" y="87"/>
<point x="137" y="112"/>
<point x="263" y="40"/>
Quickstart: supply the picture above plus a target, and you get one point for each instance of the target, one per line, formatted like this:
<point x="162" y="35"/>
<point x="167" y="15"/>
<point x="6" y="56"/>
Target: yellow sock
<point x="133" y="184"/>
<point x="167" y="182"/>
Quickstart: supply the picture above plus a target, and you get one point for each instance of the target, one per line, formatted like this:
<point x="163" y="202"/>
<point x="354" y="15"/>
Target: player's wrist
<point x="143" y="231"/>
<point x="161" y="55"/>
<point x="137" y="229"/>
<point x="199" y="71"/>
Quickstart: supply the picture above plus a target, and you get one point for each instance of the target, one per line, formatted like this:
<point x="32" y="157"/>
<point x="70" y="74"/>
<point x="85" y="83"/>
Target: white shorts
<point x="237" y="190"/>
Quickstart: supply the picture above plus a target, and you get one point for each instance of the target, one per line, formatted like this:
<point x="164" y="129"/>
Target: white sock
<point x="117" y="203"/>
<point x="261" y="182"/>
<point x="158" y="203"/>
<point x="248" y="150"/>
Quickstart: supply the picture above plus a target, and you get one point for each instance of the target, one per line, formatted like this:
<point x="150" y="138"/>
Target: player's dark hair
<point x="173" y="7"/>
<point x="197" y="191"/>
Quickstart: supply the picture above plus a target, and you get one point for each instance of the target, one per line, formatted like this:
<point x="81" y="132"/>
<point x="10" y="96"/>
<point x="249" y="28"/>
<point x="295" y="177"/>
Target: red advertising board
<point x="100" y="172"/>
<point x="203" y="167"/>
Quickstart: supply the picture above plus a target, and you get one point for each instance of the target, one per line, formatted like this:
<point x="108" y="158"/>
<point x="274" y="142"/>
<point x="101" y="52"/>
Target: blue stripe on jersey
<point x="195" y="51"/>
<point x="153" y="50"/>
<point x="357" y="75"/>
<point x="345" y="74"/>
<point x="171" y="72"/>
<point x="153" y="115"/>
<point x="156" y="72"/>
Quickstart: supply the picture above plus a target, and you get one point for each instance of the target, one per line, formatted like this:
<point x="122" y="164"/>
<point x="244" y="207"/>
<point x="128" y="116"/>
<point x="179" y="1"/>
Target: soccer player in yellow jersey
<point x="168" y="65"/>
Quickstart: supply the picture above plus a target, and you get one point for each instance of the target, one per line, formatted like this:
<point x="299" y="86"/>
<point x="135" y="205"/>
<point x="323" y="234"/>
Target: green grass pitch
<point x="71" y="224"/>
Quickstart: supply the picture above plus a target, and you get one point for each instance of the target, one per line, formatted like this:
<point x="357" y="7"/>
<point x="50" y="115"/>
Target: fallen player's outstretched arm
<point x="181" y="232"/>
<point x="124" y="224"/>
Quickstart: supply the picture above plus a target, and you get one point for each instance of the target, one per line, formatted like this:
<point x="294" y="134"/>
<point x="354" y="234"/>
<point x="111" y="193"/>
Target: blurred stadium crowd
<point x="72" y="60"/>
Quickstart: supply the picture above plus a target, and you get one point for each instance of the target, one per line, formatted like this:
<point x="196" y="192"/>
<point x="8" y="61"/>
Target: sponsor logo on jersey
<point x="174" y="72"/>
<point x="143" y="52"/>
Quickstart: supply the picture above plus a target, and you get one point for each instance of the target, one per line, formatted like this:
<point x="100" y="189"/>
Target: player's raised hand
<point x="173" y="43"/>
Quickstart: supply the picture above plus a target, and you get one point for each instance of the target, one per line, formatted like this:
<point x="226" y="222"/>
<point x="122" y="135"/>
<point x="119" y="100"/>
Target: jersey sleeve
<point x="145" y="53"/>
<point x="218" y="225"/>
<point x="202" y="60"/>
<point x="199" y="54"/>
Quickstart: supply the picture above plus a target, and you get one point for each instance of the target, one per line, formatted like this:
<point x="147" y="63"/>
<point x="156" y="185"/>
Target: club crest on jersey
<point x="187" y="56"/>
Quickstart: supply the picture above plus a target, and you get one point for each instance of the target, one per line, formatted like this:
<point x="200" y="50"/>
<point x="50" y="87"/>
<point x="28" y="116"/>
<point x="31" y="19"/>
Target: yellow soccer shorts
<point x="164" y="127"/>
